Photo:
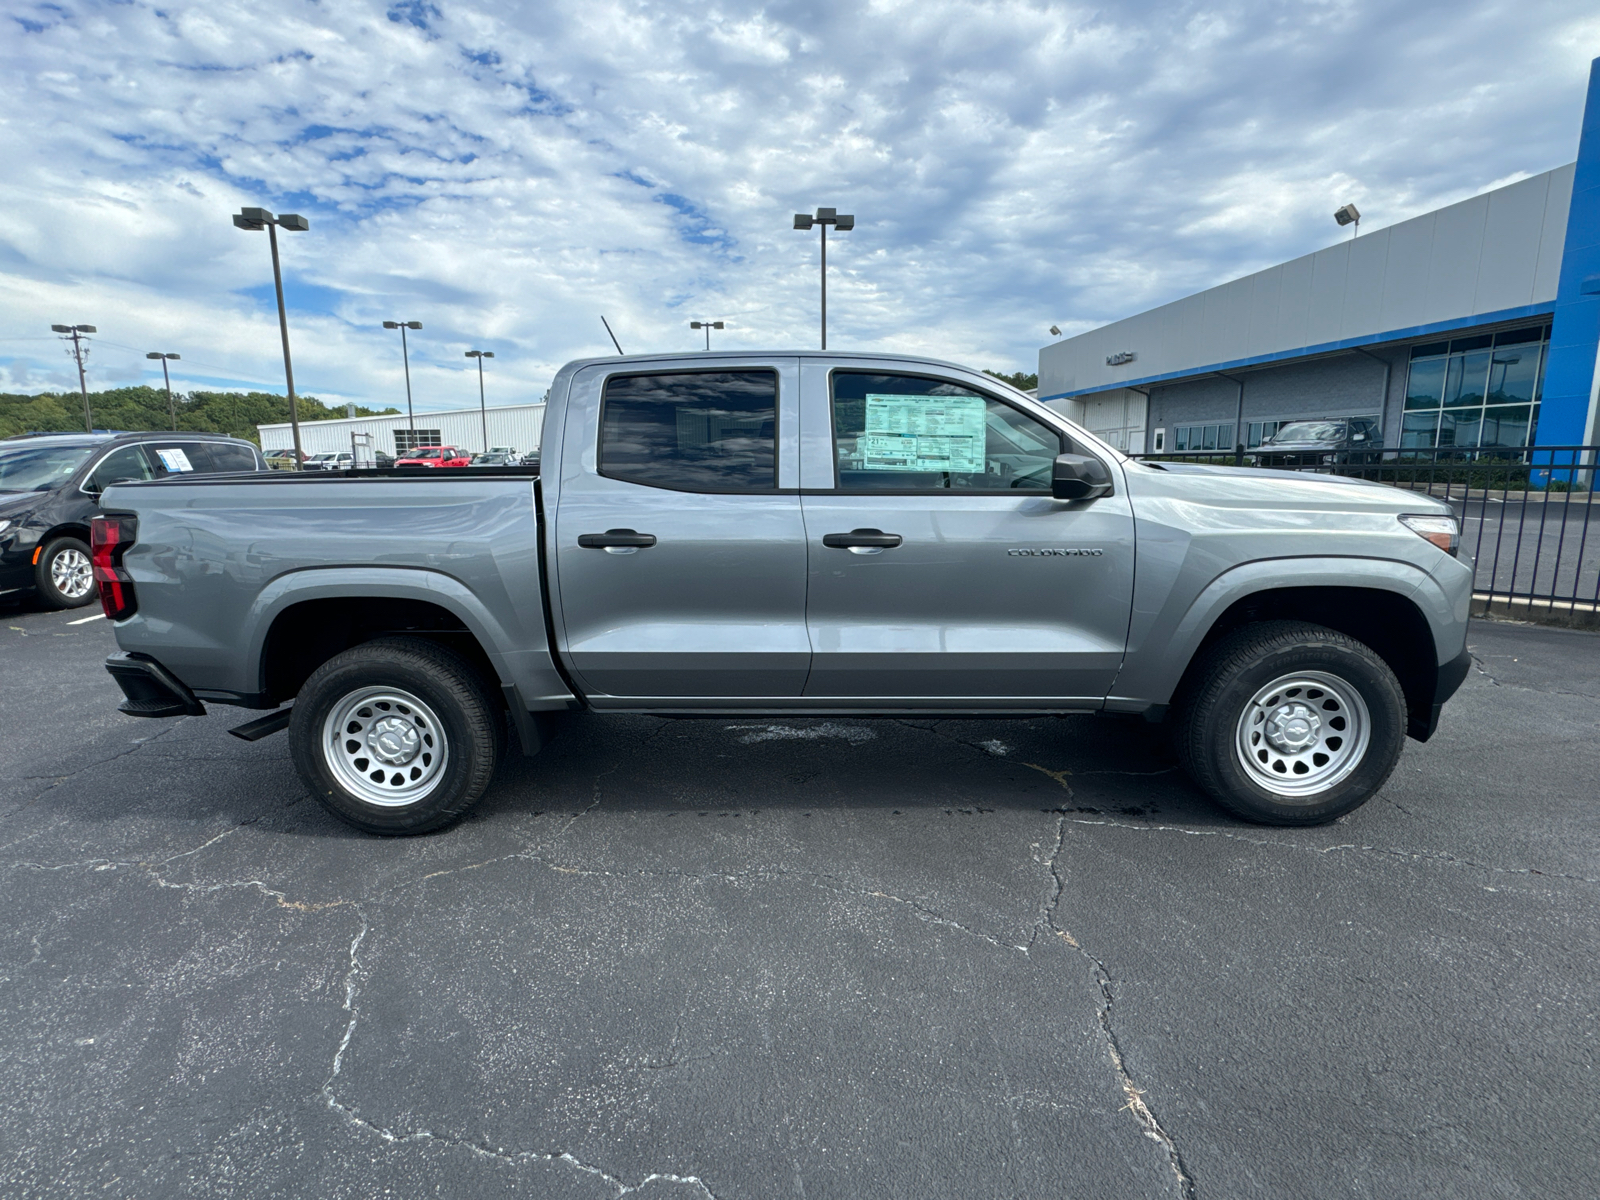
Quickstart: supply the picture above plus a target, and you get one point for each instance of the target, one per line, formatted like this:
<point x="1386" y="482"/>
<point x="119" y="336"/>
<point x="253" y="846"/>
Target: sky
<point x="508" y="173"/>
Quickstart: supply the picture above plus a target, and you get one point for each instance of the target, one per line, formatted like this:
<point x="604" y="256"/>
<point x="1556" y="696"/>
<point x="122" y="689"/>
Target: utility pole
<point x="74" y="334"/>
<point x="843" y="222"/>
<point x="256" y="219"/>
<point x="483" y="410"/>
<point x="167" y="379"/>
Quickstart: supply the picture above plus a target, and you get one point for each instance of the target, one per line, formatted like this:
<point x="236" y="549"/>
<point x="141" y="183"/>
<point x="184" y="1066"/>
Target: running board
<point x="254" y="731"/>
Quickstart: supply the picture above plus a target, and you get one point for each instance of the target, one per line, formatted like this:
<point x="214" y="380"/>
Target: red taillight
<point x="109" y="539"/>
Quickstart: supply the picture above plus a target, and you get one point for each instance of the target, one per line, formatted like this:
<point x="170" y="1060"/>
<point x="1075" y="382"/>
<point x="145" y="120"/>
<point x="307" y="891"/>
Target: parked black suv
<point x="50" y="486"/>
<point x="1335" y="441"/>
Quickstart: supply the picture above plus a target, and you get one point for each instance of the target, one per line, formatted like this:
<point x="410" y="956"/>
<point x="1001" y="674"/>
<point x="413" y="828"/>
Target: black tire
<point x="65" y="561"/>
<point x="432" y="699"/>
<point x="1239" y="743"/>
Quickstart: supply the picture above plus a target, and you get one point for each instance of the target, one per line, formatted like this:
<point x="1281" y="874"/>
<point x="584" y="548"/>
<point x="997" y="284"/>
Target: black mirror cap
<point x="1079" y="477"/>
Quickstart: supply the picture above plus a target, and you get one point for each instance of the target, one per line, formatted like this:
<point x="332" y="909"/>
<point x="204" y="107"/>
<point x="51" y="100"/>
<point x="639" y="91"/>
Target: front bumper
<point x="151" y="689"/>
<point x="1424" y="719"/>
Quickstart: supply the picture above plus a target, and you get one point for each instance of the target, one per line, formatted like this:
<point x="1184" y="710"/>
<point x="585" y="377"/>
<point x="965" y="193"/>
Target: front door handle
<point x="862" y="539"/>
<point x="616" y="539"/>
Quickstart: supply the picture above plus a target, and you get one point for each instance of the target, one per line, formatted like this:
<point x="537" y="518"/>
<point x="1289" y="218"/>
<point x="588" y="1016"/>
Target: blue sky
<point x="506" y="173"/>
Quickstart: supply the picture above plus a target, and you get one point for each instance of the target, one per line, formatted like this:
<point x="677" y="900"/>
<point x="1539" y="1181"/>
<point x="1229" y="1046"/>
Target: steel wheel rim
<point x="385" y="746"/>
<point x="1302" y="734"/>
<point x="72" y="574"/>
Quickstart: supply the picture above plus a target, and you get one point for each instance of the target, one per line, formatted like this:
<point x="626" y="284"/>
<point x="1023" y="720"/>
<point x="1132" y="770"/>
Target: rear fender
<point x="530" y="670"/>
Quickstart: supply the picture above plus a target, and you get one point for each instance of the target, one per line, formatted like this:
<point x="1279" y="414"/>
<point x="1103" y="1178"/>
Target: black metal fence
<point x="1530" y="517"/>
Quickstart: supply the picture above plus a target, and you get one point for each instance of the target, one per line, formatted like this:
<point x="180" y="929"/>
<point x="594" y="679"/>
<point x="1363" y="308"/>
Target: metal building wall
<point x="519" y="426"/>
<point x="1496" y="256"/>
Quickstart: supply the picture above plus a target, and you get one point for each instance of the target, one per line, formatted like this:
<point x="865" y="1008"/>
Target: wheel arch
<point x="1396" y="607"/>
<point x="302" y="619"/>
<point x="73" y="529"/>
<point x="1388" y="622"/>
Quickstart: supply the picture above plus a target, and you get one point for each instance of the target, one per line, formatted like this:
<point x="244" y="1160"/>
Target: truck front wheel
<point x="396" y="736"/>
<point x="1288" y="723"/>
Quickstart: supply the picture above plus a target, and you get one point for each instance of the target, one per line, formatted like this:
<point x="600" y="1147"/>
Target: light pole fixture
<point x="483" y="410"/>
<point x="405" y="357"/>
<point x="255" y="220"/>
<point x="708" y="326"/>
<point x="843" y="222"/>
<point x="167" y="379"/>
<point x="74" y="334"/>
<point x="1349" y="214"/>
<point x="1055" y="331"/>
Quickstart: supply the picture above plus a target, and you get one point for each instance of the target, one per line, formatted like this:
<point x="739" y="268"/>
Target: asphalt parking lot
<point x="742" y="959"/>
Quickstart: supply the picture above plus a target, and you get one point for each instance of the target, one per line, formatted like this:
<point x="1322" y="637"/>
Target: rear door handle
<point x="616" y="538"/>
<point x="862" y="539"/>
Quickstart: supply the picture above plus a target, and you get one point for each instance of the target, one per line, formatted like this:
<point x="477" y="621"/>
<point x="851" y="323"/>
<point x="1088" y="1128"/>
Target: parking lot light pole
<point x="255" y="220"/>
<point x="405" y="357"/>
<point x="167" y="379"/>
<point x="843" y="222"/>
<point x="74" y="334"/>
<point x="708" y="326"/>
<point x="483" y="410"/>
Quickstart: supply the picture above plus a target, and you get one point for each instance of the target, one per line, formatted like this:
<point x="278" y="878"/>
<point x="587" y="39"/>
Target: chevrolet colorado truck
<point x="790" y="534"/>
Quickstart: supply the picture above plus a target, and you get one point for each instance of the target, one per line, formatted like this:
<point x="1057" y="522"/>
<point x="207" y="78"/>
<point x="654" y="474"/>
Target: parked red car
<point x="435" y="456"/>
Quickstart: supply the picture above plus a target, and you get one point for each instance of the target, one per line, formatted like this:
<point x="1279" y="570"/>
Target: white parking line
<point x="86" y="620"/>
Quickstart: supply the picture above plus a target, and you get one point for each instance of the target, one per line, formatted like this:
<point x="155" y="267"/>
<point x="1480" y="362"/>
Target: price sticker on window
<point x="176" y="461"/>
<point x="923" y="433"/>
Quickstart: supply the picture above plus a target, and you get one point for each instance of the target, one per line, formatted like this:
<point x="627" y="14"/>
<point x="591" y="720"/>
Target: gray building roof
<point x="1495" y="257"/>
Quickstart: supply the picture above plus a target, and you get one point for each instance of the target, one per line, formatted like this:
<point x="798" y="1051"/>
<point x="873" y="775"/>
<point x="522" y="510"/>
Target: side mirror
<point x="1079" y="477"/>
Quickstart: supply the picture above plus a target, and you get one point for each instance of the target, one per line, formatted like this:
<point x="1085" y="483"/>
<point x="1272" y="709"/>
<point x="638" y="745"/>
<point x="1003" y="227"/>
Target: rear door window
<point x="701" y="431"/>
<point x="226" y="456"/>
<point x="178" y="458"/>
<point x="121" y="466"/>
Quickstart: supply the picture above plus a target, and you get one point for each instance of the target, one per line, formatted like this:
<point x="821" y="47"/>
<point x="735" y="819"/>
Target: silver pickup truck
<point x="790" y="534"/>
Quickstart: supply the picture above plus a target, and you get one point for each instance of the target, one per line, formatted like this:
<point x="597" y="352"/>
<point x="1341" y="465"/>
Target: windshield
<point x="39" y="468"/>
<point x="1310" y="431"/>
<point x="435" y="453"/>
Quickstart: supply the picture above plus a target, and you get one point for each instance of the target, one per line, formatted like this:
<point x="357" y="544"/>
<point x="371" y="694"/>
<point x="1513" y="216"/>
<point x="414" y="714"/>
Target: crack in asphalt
<point x="498" y="1153"/>
<point x="1438" y="856"/>
<point x="1478" y="665"/>
<point x="1151" y="1127"/>
<point x="58" y="780"/>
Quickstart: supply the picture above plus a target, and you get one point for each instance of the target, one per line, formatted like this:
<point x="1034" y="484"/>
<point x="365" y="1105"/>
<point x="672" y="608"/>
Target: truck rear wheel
<point x="396" y="736"/>
<point x="1289" y="723"/>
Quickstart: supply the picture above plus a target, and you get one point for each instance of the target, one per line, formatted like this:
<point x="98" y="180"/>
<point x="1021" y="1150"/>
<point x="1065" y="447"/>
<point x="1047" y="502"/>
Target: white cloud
<point x="506" y="173"/>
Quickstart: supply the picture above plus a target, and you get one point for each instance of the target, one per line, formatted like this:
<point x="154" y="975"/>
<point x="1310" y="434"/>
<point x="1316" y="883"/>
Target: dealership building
<point x="518" y="426"/>
<point x="1474" y="325"/>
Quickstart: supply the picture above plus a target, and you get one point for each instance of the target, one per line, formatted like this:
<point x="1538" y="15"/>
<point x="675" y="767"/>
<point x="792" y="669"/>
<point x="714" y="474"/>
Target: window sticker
<point x="175" y="460"/>
<point x="923" y="433"/>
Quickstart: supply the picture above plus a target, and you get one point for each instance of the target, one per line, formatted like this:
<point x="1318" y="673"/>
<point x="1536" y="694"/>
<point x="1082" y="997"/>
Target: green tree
<point x="1016" y="379"/>
<point x="139" y="408"/>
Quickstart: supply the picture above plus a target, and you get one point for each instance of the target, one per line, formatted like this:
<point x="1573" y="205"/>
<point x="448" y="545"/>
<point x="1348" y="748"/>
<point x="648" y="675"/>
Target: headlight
<point x="1443" y="531"/>
<point x="4" y="525"/>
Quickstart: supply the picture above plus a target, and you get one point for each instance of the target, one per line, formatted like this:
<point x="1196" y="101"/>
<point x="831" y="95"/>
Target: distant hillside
<point x="146" y="408"/>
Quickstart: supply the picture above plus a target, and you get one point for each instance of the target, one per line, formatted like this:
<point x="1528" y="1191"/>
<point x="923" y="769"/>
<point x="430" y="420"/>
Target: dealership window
<point x="1203" y="437"/>
<point x="410" y="439"/>
<point x="1260" y="431"/>
<point x="1475" y="391"/>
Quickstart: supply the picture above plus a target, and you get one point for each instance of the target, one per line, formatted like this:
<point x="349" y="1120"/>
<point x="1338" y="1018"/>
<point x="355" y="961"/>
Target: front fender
<point x="1153" y="668"/>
